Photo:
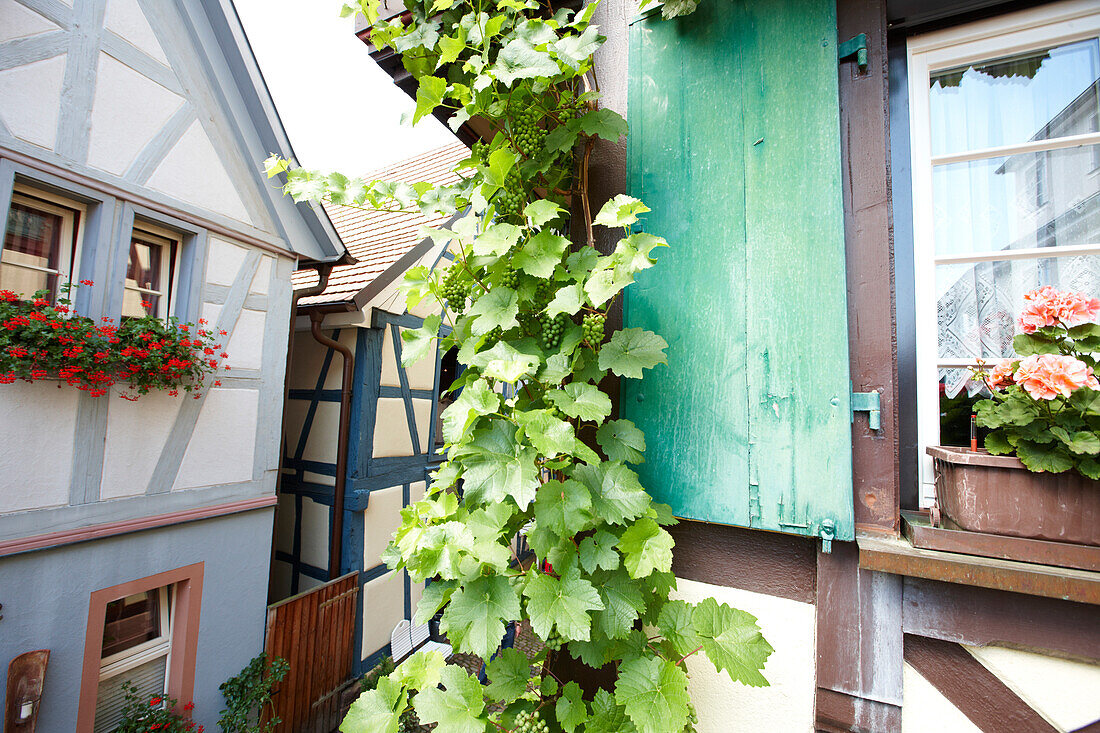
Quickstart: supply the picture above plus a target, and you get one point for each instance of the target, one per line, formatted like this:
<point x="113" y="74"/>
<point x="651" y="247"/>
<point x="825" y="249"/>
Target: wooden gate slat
<point x="314" y="632"/>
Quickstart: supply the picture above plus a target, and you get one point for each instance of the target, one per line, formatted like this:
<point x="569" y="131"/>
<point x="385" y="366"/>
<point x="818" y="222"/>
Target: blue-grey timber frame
<point x="365" y="473"/>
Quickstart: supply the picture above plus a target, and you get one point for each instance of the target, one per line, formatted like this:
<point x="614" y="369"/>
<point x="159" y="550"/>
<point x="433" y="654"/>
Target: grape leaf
<point x="561" y="603"/>
<point x="620" y="211"/>
<point x="732" y="641"/>
<point x="540" y="254"/>
<point x="541" y="212"/>
<point x="575" y="50"/>
<point x="563" y="508"/>
<point x="608" y="716"/>
<point x="496" y="309"/>
<point x="420" y="670"/>
<point x="617" y="494"/>
<point x="646" y="547"/>
<point x="496" y="466"/>
<point x="581" y="400"/>
<point x="570" y="709"/>
<point x="434" y="595"/>
<point x="622" y="441"/>
<point x="654" y="692"/>
<point x="505" y="362"/>
<point x="631" y="350"/>
<point x="606" y="281"/>
<point x="598" y="551"/>
<point x="568" y="299"/>
<point x="497" y="240"/>
<point x="474" y="619"/>
<point x="429" y="95"/>
<point x="508" y="675"/>
<point x="521" y="60"/>
<point x="476" y="399"/>
<point x="501" y="162"/>
<point x="674" y="621"/>
<point x="604" y="122"/>
<point x="548" y="434"/>
<point x="416" y="343"/>
<point x="378" y="710"/>
<point x="458" y="708"/>
<point x="623" y="603"/>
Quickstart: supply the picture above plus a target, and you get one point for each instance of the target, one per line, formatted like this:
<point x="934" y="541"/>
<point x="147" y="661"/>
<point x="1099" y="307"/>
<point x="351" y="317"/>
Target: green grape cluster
<point x="510" y="200"/>
<point x="593" y="329"/>
<point x="527" y="134"/>
<point x="693" y="719"/>
<point x="572" y="109"/>
<point x="554" y="643"/>
<point x="480" y="152"/>
<point x="455" y="290"/>
<point x="544" y="293"/>
<point x="552" y="330"/>
<point x="530" y="722"/>
<point x="509" y="278"/>
<point x="493" y="336"/>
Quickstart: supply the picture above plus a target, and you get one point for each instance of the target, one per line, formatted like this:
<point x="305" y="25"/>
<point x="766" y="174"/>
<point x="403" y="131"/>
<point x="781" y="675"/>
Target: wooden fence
<point x="313" y="631"/>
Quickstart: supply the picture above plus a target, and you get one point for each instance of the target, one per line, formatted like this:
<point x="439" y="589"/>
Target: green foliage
<point x="248" y="693"/>
<point x="525" y="306"/>
<point x="369" y="681"/>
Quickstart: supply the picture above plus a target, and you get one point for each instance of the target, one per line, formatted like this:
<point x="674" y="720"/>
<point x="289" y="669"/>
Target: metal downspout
<point x="336" y="534"/>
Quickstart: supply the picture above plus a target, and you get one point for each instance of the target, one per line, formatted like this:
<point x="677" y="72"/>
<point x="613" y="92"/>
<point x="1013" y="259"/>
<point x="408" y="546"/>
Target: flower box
<point x="981" y="492"/>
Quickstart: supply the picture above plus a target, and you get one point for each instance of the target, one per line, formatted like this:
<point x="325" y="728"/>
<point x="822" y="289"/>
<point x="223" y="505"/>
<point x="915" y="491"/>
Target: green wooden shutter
<point x="735" y="145"/>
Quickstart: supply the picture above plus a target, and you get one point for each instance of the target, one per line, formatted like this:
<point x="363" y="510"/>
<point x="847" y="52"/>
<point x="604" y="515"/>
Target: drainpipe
<point x="323" y="269"/>
<point x="336" y="536"/>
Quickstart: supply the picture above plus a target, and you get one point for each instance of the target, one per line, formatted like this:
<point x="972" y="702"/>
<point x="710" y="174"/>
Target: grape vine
<point x="526" y="307"/>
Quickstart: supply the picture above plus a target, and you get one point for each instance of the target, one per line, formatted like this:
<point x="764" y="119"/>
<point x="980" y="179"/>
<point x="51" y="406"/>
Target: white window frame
<point x="170" y="265"/>
<point x="135" y="656"/>
<point x="74" y="217"/>
<point x="1007" y="35"/>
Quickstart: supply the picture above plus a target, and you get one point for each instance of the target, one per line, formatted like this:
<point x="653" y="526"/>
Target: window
<point x="137" y="634"/>
<point x="151" y="271"/>
<point x="41" y="242"/>
<point x="1004" y="135"/>
<point x="143" y="631"/>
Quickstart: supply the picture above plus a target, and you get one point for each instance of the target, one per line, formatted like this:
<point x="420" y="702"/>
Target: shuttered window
<point x="734" y="145"/>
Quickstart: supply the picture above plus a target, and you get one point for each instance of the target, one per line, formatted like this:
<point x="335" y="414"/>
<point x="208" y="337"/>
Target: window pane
<point x="977" y="305"/>
<point x="1037" y="96"/>
<point x="1024" y="201"/>
<point x="131" y="621"/>
<point x="143" y="271"/>
<point x="33" y="238"/>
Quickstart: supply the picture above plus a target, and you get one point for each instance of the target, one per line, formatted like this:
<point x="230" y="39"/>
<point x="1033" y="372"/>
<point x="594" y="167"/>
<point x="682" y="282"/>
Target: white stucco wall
<point x="725" y="706"/>
<point x="36" y="430"/>
<point x="925" y="709"/>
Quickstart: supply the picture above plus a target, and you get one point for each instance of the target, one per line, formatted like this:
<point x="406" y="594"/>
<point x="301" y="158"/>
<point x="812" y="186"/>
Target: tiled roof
<point x="378" y="239"/>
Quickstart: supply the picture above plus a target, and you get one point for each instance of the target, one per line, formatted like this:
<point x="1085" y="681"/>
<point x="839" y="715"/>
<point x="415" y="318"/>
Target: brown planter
<point x="998" y="495"/>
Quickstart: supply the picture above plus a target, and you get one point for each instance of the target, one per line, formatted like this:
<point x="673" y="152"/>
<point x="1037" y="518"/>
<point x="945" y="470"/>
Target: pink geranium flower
<point x="1046" y="376"/>
<point x="1048" y="307"/>
<point x="1001" y="376"/>
<point x="1073" y="309"/>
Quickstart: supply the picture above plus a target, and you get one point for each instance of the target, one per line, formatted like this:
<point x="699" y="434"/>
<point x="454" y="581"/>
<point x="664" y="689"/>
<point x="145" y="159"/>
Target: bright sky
<point x="340" y="110"/>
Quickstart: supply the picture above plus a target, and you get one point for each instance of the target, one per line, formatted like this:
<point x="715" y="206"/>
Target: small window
<point x="1005" y="125"/>
<point x="137" y="642"/>
<point x="150" y="272"/>
<point x="41" y="243"/>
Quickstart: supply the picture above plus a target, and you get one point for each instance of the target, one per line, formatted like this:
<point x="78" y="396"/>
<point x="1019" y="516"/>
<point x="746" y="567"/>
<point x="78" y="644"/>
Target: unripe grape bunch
<point x="526" y="133"/>
<point x="593" y="329"/>
<point x="511" y="198"/>
<point x="530" y="722"/>
<point x="552" y="330"/>
<point x="455" y="290"/>
<point x="509" y="278"/>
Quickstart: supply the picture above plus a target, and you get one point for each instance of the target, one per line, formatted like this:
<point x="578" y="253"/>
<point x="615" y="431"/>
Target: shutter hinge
<point x="854" y="47"/>
<point x="828" y="532"/>
<point x="870" y="403"/>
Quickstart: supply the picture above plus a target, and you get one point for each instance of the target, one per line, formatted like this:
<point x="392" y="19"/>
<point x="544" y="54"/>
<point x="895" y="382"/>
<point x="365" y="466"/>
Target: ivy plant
<point x="531" y="442"/>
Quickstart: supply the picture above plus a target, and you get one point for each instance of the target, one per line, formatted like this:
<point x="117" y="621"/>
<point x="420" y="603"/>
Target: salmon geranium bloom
<point x="1001" y="376"/>
<point x="1046" y="376"/>
<point x="1048" y="307"/>
<point x="1073" y="309"/>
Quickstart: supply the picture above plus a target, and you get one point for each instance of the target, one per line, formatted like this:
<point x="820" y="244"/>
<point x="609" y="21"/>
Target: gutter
<point x="336" y="530"/>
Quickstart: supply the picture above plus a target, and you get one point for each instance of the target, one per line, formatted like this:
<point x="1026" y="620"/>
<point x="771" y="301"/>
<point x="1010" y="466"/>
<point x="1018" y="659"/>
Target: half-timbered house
<point x="135" y="536"/>
<point x="338" y="510"/>
<point x="856" y="194"/>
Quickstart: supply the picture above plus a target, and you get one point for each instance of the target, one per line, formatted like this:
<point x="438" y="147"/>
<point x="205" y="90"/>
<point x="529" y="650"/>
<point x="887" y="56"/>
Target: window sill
<point x="899" y="557"/>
